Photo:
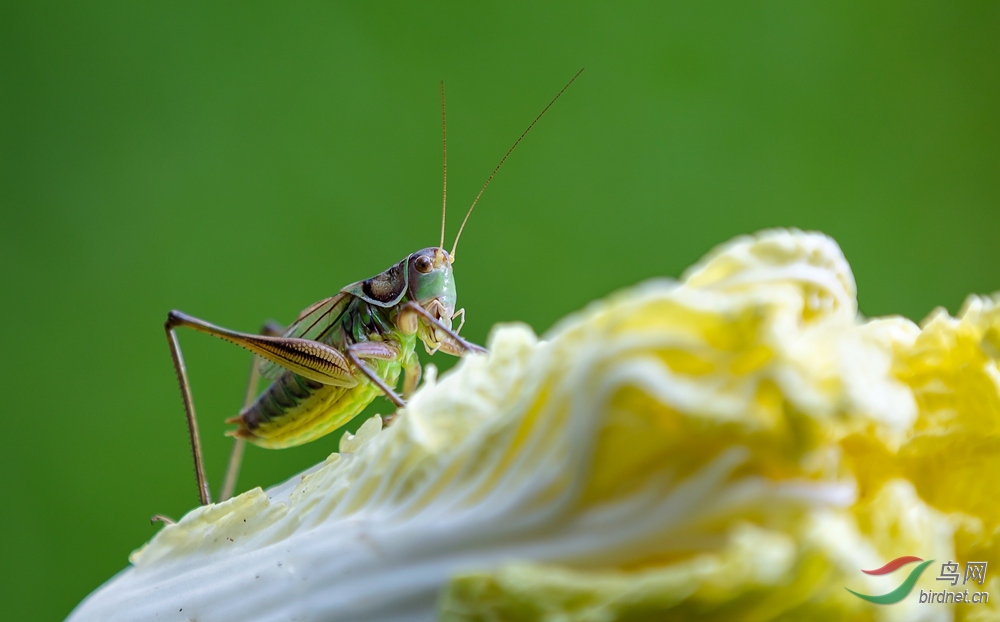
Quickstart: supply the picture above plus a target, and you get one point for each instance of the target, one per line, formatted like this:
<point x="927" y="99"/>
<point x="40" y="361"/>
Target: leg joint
<point x="174" y="319"/>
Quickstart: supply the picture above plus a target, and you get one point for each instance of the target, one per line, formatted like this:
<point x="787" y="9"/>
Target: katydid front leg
<point x="466" y="346"/>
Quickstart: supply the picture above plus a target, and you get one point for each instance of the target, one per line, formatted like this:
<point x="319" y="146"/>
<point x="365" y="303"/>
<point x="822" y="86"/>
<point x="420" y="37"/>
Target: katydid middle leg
<point x="378" y="350"/>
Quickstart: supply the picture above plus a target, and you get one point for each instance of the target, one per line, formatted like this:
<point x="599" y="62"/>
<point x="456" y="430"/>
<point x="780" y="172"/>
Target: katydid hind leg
<point x="204" y="495"/>
<point x="270" y="329"/>
<point x="315" y="359"/>
<point x="310" y="359"/>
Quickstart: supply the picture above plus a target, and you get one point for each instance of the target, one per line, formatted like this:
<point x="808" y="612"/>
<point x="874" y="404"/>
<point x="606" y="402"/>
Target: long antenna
<point x="504" y="159"/>
<point x="444" y="148"/>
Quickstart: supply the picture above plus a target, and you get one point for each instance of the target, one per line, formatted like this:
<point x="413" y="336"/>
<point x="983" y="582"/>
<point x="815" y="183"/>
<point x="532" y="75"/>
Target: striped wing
<point x="314" y="323"/>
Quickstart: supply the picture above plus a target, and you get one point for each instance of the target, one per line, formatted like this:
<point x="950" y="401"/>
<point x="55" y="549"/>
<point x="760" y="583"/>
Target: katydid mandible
<point x="343" y="351"/>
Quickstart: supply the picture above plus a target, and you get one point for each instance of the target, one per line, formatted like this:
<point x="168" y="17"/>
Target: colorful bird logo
<point x="904" y="588"/>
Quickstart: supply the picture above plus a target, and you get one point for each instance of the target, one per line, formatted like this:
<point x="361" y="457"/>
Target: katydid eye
<point x="424" y="264"/>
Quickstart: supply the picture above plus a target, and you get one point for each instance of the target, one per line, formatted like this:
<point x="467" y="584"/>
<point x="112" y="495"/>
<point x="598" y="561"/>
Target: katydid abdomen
<point x="294" y="410"/>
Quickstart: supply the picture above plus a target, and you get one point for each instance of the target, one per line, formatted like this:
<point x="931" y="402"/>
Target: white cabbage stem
<point x="740" y="443"/>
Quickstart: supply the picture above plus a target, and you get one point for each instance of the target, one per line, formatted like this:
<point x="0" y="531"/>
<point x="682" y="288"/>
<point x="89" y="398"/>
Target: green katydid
<point x="342" y="351"/>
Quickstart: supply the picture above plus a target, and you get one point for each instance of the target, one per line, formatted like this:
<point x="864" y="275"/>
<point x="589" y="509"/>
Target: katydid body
<point x="341" y="352"/>
<point x="373" y="320"/>
<point x="339" y="355"/>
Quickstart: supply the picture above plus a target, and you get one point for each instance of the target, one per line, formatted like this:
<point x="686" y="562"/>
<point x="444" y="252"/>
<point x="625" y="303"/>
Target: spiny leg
<point x="411" y="374"/>
<point x="192" y="420"/>
<point x="161" y="518"/>
<point x="375" y="350"/>
<point x="465" y="345"/>
<point x="311" y="359"/>
<point x="411" y="378"/>
<point x="271" y="329"/>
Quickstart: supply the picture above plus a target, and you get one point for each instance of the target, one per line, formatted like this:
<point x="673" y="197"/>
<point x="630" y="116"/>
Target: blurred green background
<point x="239" y="161"/>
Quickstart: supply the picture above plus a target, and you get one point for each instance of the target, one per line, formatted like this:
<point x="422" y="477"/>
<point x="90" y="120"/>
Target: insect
<point x="343" y="351"/>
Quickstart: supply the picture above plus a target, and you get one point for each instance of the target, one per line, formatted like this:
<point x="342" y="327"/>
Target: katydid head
<point x="431" y="278"/>
<point x="431" y="284"/>
<point x="425" y="279"/>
